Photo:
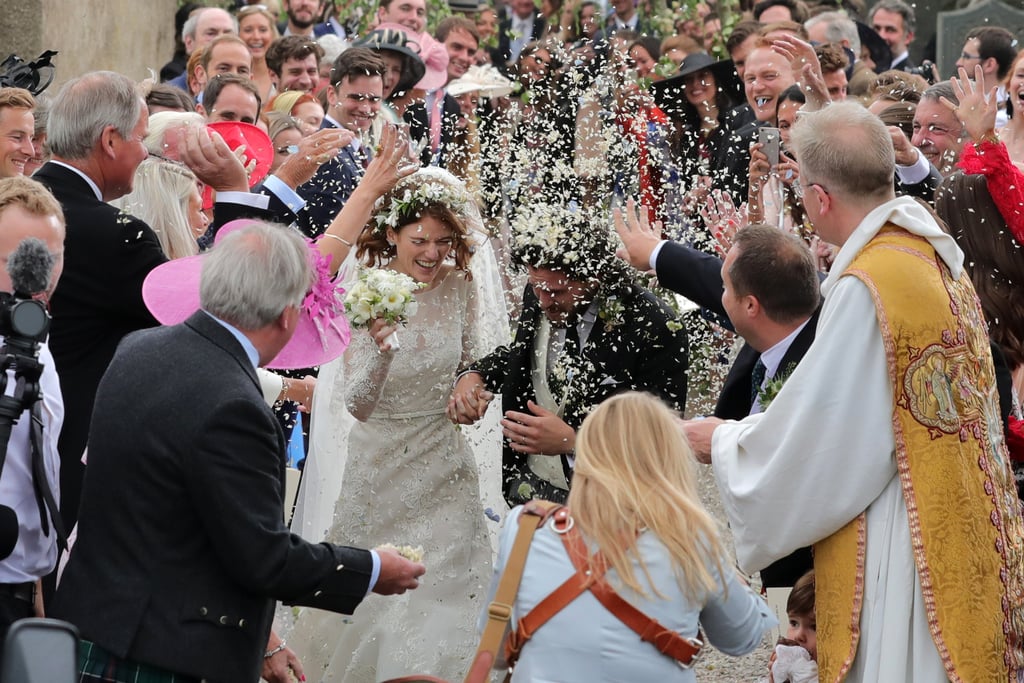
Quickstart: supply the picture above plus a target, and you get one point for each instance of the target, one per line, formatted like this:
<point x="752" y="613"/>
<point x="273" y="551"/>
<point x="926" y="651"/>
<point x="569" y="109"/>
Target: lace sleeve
<point x="1005" y="181"/>
<point x="366" y="370"/>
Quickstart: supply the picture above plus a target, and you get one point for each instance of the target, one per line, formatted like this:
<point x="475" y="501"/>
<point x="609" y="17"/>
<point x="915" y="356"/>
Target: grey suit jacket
<point x="182" y="546"/>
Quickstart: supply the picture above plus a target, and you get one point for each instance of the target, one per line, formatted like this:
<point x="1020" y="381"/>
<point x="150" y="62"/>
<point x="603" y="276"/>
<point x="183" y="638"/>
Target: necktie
<point x="559" y="378"/>
<point x="756" y="379"/>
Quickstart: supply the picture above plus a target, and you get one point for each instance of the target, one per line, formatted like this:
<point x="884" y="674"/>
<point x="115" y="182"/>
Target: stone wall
<point x="128" y="36"/>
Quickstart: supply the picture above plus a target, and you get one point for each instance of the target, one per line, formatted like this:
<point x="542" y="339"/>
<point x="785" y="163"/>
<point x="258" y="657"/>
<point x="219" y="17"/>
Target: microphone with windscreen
<point x="24" y="324"/>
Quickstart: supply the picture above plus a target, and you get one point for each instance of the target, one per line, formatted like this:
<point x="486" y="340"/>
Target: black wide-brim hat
<point x="399" y="42"/>
<point x="668" y="94"/>
<point x="881" y="55"/>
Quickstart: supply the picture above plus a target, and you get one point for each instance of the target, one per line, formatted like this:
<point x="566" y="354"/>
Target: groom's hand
<point x="397" y="574"/>
<point x="539" y="431"/>
<point x="469" y="399"/>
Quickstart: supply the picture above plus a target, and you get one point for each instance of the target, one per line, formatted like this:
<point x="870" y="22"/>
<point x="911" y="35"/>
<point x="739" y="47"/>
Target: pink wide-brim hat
<point x="171" y="293"/>
<point x="433" y="53"/>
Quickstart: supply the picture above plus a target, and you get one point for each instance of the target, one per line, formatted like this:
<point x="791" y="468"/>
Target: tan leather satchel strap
<point x="499" y="612"/>
<point x="589" y="575"/>
<point x="559" y="598"/>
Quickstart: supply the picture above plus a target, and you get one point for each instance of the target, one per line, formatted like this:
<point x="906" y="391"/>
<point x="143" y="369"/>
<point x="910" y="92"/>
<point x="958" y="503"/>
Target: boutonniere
<point x="773" y="386"/>
<point x="611" y="312"/>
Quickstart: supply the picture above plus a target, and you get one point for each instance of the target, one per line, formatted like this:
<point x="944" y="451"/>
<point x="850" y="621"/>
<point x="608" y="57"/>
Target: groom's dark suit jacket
<point x="182" y="546"/>
<point x="107" y="255"/>
<point x="639" y="352"/>
<point x="698" y="277"/>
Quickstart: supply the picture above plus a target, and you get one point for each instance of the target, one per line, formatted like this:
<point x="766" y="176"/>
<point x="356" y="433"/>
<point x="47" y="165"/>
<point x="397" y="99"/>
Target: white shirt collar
<point x="94" y="186"/>
<point x="773" y="356"/>
<point x="247" y="345"/>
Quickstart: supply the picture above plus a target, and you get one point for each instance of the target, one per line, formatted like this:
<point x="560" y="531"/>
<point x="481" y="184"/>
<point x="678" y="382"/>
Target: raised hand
<point x="806" y="68"/>
<point x="210" y="158"/>
<point x="639" y="239"/>
<point x="906" y="153"/>
<point x="723" y="219"/>
<point x="314" y="151"/>
<point x="977" y="108"/>
<point x="390" y="163"/>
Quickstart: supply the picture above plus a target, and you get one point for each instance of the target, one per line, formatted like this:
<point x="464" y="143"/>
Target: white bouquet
<point x="380" y="293"/>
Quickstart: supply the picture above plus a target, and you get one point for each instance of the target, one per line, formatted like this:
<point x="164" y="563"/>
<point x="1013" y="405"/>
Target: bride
<point x="410" y="477"/>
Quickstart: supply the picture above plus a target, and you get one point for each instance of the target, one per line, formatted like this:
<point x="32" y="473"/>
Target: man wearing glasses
<point x="994" y="48"/>
<point x="884" y="447"/>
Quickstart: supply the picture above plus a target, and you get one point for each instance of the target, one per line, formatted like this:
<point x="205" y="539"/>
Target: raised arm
<point x="987" y="155"/>
<point x="389" y="165"/>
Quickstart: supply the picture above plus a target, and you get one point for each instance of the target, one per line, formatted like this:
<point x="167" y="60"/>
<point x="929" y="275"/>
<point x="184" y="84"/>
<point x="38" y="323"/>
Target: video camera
<point x="24" y="324"/>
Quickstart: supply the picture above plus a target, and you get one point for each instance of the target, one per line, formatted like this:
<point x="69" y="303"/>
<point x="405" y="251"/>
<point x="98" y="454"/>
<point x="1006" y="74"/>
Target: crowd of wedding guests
<point x="561" y="184"/>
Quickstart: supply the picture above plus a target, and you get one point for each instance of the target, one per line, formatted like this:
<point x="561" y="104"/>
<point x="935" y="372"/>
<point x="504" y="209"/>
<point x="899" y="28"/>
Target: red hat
<point x="258" y="147"/>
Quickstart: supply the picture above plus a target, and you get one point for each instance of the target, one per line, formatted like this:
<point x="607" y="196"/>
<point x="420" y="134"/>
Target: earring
<point x="391" y="243"/>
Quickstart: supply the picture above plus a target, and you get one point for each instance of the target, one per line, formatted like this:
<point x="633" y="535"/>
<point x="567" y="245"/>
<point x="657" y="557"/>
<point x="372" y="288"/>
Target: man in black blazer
<point x="354" y="97"/>
<point x="182" y="547"/>
<point x="585" y="333"/>
<point x="522" y="26"/>
<point x="768" y="290"/>
<point x="96" y="128"/>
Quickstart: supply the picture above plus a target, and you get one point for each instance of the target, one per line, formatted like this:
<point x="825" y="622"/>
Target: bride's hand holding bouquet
<point x="380" y="301"/>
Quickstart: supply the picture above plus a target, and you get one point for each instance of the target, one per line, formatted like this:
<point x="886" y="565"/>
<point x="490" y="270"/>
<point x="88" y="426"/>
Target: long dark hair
<point x="994" y="258"/>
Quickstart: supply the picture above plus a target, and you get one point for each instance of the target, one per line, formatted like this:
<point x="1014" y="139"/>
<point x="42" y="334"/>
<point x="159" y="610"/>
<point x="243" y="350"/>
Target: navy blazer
<point x="698" y="277"/>
<point x="504" y="51"/>
<point x="329" y="189"/>
<point x="182" y="546"/>
<point x="640" y="352"/>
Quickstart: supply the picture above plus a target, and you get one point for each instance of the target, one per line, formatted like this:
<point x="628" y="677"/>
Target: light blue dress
<point x="586" y="643"/>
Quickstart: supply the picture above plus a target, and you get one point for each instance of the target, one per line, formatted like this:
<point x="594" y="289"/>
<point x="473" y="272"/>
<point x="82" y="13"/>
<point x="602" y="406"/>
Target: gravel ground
<point x="705" y="383"/>
<point x="715" y="666"/>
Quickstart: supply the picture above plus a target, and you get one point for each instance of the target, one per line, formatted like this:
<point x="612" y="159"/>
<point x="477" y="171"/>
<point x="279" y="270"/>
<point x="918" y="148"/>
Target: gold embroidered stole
<point x="965" y="523"/>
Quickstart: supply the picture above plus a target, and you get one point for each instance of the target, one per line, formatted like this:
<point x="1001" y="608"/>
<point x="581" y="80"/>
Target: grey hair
<point x="846" y="149"/>
<point x="935" y="92"/>
<point x="191" y="24"/>
<point x="252" y="275"/>
<point x="85" y="106"/>
<point x="161" y="122"/>
<point x="897" y="7"/>
<point x="838" y="27"/>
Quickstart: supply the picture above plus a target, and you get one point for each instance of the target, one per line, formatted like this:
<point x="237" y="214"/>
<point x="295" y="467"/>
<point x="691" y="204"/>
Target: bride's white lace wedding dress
<point x="410" y="478"/>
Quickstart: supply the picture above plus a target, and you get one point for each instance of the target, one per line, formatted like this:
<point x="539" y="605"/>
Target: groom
<point x="585" y="333"/>
<point x="182" y="547"/>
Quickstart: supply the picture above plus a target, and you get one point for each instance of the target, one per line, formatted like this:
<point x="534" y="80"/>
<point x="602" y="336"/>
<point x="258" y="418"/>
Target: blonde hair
<point x="634" y="471"/>
<point x="160" y="198"/>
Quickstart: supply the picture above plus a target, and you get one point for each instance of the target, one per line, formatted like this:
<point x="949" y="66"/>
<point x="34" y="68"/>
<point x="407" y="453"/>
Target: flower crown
<point x="568" y="237"/>
<point x="407" y="201"/>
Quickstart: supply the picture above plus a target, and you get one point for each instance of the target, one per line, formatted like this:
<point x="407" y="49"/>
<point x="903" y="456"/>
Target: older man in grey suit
<point x="182" y="546"/>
